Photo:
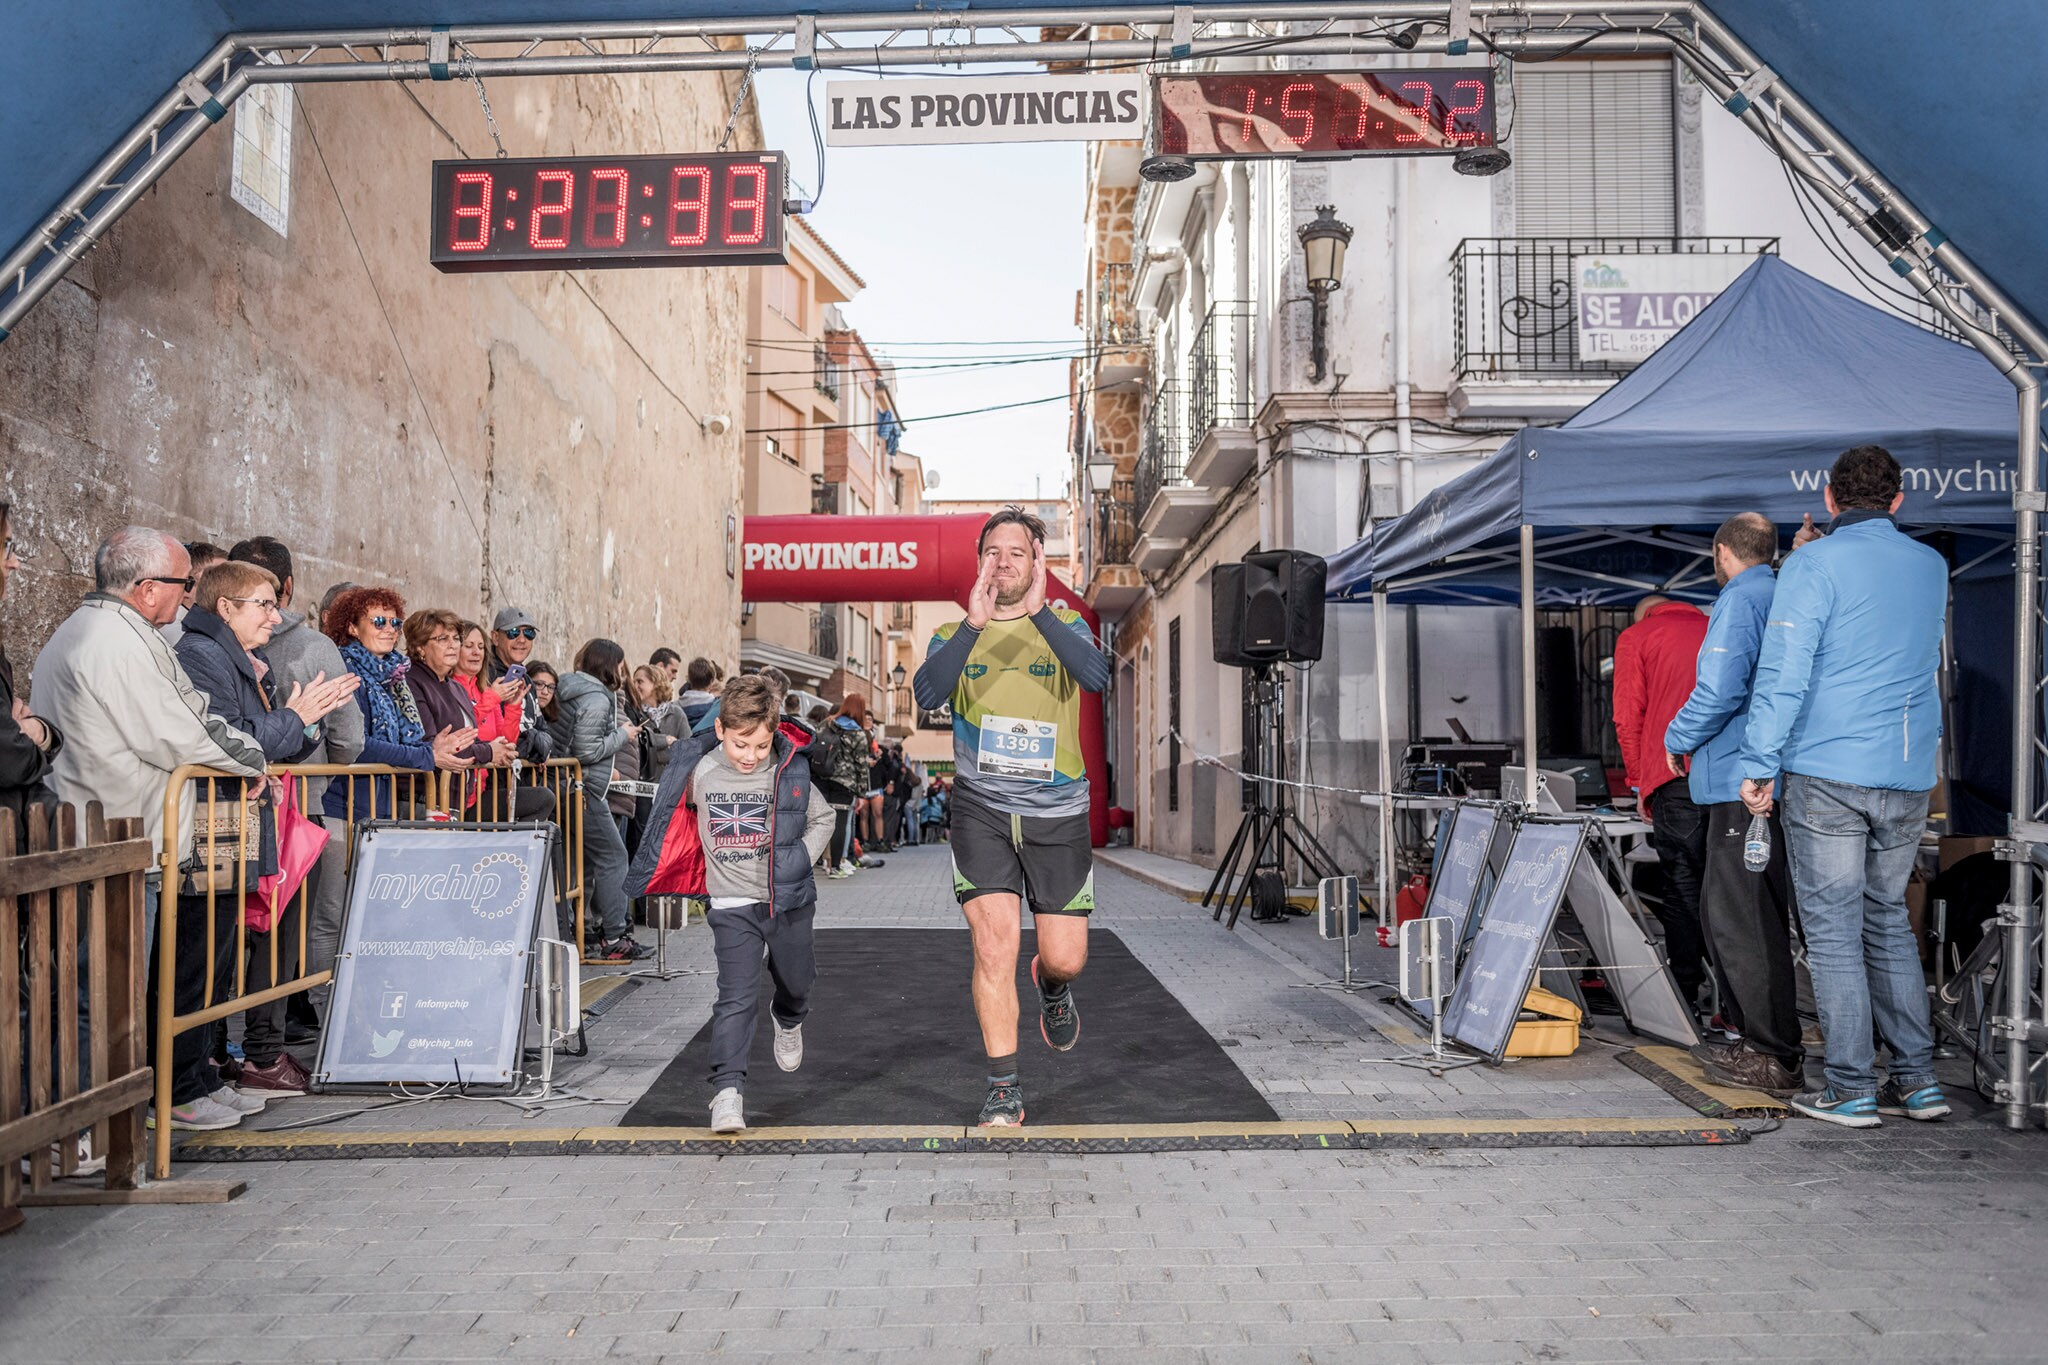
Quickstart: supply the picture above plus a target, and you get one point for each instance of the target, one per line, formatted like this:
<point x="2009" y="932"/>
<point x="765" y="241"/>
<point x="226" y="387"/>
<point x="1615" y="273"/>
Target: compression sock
<point x="1002" y="1070"/>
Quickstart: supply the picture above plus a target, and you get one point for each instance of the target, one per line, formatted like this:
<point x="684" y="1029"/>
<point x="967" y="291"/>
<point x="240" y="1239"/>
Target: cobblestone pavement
<point x="1912" y="1243"/>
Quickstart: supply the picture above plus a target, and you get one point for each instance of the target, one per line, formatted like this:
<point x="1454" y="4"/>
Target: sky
<point x="968" y="252"/>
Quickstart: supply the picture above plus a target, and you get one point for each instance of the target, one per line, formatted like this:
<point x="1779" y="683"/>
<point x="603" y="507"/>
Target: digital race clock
<point x="1324" y="113"/>
<point x="577" y="212"/>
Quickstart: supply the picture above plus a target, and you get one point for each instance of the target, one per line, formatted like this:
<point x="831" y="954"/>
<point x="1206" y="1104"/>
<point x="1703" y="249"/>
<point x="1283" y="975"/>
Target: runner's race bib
<point x="1022" y="749"/>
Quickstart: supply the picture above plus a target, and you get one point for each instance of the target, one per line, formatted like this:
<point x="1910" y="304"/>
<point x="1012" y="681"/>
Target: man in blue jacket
<point x="1746" y="915"/>
<point x="1847" y="709"/>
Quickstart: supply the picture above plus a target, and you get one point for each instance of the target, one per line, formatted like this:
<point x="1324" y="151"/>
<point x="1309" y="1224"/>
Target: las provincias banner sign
<point x="1071" y="108"/>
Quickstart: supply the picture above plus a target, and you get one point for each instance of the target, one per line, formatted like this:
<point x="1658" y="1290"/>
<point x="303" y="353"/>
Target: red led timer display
<point x="572" y="213"/>
<point x="1324" y="113"/>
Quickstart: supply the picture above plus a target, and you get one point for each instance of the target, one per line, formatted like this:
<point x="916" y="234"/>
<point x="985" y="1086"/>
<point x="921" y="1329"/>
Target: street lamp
<point x="1322" y="247"/>
<point x="1101" y="475"/>
<point x="897" y="675"/>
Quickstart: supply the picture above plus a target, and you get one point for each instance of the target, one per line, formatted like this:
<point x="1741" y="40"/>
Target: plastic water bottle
<point x="1756" y="846"/>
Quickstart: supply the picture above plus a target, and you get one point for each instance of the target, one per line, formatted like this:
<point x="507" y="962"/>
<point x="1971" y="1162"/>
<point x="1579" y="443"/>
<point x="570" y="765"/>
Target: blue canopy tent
<point x="1743" y="410"/>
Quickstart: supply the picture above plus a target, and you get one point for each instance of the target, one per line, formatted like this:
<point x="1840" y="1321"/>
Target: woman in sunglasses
<point x="366" y="623"/>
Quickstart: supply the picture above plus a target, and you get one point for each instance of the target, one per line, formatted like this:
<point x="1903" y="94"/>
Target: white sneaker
<point x="847" y="868"/>
<point x="789" y="1045"/>
<point x="728" y="1114"/>
<point x="200" y="1116"/>
<point x="227" y="1097"/>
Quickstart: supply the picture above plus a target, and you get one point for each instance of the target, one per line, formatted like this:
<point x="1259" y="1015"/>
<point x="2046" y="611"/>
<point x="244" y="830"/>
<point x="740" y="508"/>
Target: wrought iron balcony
<point x="1515" y="301"/>
<point x="1221" y="363"/>
<point x="1116" y="316"/>
<point x="1116" y="526"/>
<point x="1163" y="458"/>
<point x="827" y="380"/>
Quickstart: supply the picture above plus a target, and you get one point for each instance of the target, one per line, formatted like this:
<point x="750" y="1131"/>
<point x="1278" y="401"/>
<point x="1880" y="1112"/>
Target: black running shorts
<point x="1045" y="860"/>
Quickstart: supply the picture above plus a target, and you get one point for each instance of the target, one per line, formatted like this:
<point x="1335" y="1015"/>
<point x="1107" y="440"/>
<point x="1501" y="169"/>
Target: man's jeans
<point x="604" y="869"/>
<point x="1852" y="849"/>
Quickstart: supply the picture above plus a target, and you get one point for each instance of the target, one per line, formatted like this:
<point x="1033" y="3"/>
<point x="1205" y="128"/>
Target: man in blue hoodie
<point x="1746" y="915"/>
<point x="1847" y="710"/>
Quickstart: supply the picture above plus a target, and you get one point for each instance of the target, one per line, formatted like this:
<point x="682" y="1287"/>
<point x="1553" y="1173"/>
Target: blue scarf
<point x="393" y="717"/>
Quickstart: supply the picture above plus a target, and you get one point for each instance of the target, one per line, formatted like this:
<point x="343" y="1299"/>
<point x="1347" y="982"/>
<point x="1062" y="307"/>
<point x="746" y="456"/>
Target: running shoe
<point x="728" y="1112"/>
<point x="1925" y="1104"/>
<point x="622" y="950"/>
<point x="200" y="1116"/>
<point x="1004" y="1107"/>
<point x="1059" y="1018"/>
<point x="789" y="1045"/>
<point x="227" y="1097"/>
<point x="1828" y="1107"/>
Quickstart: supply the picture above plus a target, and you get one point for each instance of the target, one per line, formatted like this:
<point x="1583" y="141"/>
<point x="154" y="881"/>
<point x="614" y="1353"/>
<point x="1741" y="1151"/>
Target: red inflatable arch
<point x="899" y="559"/>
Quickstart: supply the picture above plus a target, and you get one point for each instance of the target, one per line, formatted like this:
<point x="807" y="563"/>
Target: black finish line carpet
<point x="892" y="1040"/>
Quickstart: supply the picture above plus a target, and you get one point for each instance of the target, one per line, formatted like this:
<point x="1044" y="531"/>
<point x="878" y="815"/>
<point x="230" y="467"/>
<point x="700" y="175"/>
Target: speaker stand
<point x="1267" y="831"/>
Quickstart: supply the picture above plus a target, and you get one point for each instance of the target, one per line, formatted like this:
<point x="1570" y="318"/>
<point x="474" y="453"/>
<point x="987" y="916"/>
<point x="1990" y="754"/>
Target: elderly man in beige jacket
<point x="130" y="718"/>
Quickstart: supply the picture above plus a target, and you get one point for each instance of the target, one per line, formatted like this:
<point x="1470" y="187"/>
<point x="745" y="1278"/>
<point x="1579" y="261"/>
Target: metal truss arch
<point x="1853" y="188"/>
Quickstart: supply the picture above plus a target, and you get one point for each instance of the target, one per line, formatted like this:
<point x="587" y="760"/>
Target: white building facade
<point x="1199" y="435"/>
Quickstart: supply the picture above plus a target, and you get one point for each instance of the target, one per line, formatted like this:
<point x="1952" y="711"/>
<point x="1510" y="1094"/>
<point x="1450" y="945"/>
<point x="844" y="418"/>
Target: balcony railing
<point x="827" y="380"/>
<point x="1116" y="526"/>
<point x="1515" y="302"/>
<point x="1163" y="457"/>
<point x="1116" y="316"/>
<point x="825" y="633"/>
<point x="824" y="498"/>
<point x="1221" y="390"/>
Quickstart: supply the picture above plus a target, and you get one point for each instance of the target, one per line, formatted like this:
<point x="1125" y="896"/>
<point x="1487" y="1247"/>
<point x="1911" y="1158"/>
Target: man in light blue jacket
<point x="1746" y="915"/>
<point x="1847" y="709"/>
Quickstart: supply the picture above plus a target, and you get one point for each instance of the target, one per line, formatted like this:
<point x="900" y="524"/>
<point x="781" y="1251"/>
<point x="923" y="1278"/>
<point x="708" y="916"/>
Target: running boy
<point x="736" y="819"/>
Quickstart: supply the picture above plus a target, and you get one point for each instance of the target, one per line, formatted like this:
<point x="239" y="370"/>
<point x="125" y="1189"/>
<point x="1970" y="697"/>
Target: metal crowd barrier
<point x="226" y="838"/>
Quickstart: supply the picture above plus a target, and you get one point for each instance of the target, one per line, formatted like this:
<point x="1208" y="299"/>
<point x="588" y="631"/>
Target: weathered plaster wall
<point x="203" y="374"/>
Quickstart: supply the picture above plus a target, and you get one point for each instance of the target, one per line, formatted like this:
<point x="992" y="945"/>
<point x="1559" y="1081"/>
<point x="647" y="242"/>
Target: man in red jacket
<point x="1656" y="662"/>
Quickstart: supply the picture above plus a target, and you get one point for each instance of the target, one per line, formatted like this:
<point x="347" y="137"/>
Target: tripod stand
<point x="1270" y="828"/>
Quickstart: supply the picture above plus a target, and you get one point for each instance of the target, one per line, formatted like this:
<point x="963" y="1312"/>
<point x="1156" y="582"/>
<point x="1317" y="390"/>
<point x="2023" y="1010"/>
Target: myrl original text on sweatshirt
<point x="736" y="822"/>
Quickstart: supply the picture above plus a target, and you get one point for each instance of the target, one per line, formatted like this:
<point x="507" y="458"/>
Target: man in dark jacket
<point x="232" y="618"/>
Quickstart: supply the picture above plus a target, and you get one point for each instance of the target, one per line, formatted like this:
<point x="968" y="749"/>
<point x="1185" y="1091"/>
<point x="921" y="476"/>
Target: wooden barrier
<point x="71" y="910"/>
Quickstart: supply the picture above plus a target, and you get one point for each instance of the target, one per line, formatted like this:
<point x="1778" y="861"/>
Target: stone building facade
<point x="473" y="440"/>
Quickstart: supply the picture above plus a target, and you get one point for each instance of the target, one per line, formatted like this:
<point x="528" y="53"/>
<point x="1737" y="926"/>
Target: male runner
<point x="1014" y="671"/>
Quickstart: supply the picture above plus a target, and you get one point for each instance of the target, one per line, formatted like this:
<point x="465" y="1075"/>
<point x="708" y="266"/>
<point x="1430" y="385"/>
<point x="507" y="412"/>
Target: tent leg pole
<point x="1382" y="621"/>
<point x="2019" y="913"/>
<point x="1529" y="761"/>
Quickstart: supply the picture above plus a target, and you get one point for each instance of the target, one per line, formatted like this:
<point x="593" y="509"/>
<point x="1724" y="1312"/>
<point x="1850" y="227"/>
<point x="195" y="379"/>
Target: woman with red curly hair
<point x="365" y="623"/>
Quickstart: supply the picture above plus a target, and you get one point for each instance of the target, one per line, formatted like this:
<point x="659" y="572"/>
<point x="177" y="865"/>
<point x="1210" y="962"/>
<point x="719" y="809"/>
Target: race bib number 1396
<point x="1022" y="749"/>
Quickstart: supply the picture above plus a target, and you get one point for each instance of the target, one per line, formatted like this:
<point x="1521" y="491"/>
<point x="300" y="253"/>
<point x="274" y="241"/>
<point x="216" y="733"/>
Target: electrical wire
<point x="935" y="417"/>
<point x="391" y="326"/>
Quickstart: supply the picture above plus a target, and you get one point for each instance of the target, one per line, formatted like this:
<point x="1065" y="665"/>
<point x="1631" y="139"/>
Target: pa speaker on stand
<point x="1266" y="610"/>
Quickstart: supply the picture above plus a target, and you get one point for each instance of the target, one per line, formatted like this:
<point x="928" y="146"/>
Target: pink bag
<point x="299" y="844"/>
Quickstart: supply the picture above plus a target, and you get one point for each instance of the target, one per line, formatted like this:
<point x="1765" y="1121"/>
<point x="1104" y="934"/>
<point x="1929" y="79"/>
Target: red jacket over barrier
<point x="1656" y="662"/>
<point x="901" y="559"/>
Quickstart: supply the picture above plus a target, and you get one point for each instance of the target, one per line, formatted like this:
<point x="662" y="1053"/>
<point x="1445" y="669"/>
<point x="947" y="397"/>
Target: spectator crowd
<point x="190" y="654"/>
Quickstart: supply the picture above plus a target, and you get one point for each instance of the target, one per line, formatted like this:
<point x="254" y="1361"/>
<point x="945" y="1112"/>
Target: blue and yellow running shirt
<point x="1016" y="707"/>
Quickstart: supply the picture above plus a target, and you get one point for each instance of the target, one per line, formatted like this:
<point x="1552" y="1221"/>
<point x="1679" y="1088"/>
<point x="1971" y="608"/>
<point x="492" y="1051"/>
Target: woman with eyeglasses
<point x="365" y="623"/>
<point x="230" y="619"/>
<point x="433" y="641"/>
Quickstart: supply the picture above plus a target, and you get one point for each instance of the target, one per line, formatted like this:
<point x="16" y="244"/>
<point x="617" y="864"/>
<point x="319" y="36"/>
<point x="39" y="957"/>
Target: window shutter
<point x="1594" y="149"/>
